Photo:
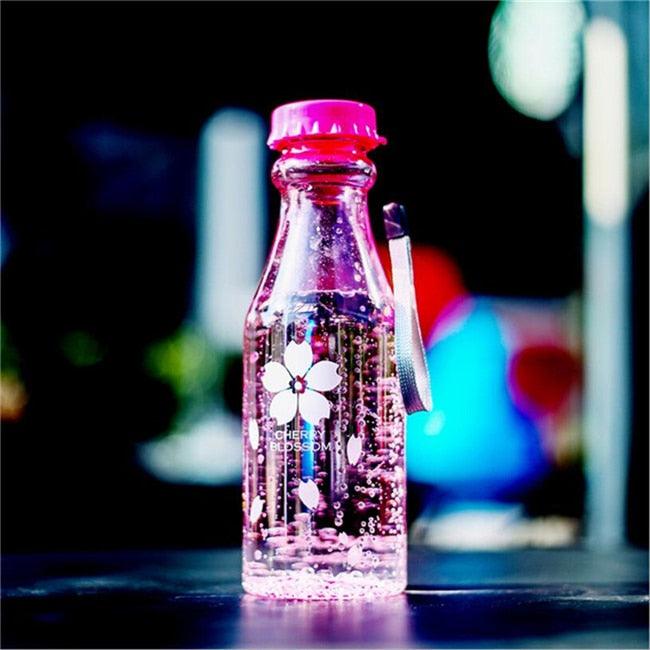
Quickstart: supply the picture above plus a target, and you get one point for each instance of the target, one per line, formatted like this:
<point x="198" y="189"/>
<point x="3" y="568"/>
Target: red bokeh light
<point x="542" y="378"/>
<point x="438" y="282"/>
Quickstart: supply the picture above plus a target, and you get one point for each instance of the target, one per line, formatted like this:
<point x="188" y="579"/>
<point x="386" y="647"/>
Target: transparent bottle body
<point x="324" y="489"/>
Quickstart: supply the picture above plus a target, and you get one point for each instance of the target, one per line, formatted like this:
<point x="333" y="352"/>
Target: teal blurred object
<point x="475" y="443"/>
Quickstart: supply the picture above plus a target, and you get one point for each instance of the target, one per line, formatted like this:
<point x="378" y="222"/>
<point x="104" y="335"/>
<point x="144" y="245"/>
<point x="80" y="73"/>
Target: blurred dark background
<point x="102" y="107"/>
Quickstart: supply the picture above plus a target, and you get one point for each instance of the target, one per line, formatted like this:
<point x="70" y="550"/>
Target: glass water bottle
<point x="324" y="488"/>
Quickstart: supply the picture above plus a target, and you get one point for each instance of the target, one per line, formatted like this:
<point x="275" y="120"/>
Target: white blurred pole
<point x="231" y="223"/>
<point x="607" y="305"/>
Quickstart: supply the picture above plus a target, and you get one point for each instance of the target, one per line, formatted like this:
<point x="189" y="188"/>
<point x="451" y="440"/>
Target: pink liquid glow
<point x="332" y="520"/>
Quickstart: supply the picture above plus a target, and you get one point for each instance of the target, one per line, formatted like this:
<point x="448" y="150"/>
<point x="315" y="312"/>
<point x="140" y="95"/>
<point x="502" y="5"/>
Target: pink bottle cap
<point x="324" y="118"/>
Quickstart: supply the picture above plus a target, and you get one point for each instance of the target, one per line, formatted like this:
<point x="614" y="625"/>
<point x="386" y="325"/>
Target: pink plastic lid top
<point x="324" y="118"/>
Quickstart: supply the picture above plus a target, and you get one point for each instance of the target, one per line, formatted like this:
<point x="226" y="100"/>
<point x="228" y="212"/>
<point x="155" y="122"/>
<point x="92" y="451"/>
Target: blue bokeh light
<point x="475" y="443"/>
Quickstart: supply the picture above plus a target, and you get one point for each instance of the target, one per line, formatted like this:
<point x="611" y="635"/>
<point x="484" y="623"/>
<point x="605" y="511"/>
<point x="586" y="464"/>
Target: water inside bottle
<point x="325" y="503"/>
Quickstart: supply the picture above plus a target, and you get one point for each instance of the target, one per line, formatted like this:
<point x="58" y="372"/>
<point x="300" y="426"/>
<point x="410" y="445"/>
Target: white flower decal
<point x="253" y="434"/>
<point x="308" y="493"/>
<point x="296" y="384"/>
<point x="354" y="449"/>
<point x="355" y="555"/>
<point x="256" y="509"/>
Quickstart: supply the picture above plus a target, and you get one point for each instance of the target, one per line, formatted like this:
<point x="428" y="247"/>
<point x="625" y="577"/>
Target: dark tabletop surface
<point x="192" y="599"/>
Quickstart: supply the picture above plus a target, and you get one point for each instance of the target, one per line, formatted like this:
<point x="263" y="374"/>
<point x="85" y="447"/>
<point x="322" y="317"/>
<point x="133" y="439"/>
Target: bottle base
<point x="315" y="587"/>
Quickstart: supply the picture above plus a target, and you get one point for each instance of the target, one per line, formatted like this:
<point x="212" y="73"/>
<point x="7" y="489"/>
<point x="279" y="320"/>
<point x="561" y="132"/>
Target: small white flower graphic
<point x="354" y="449"/>
<point x="256" y="509"/>
<point x="296" y="384"/>
<point x="308" y="493"/>
<point x="253" y="434"/>
<point x="355" y="555"/>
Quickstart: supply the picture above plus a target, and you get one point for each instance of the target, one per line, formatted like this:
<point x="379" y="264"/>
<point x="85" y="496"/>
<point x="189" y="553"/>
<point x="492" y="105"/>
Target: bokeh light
<point x="475" y="443"/>
<point x="535" y="54"/>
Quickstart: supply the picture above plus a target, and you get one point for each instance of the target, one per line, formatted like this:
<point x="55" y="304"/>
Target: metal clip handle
<point x="411" y="361"/>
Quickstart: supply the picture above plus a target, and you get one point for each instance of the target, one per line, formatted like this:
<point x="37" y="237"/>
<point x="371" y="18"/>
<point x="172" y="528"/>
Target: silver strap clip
<point x="411" y="362"/>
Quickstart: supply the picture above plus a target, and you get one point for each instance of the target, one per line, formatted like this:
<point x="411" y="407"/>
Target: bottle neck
<point x="324" y="241"/>
<point x="324" y="194"/>
<point x="323" y="167"/>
